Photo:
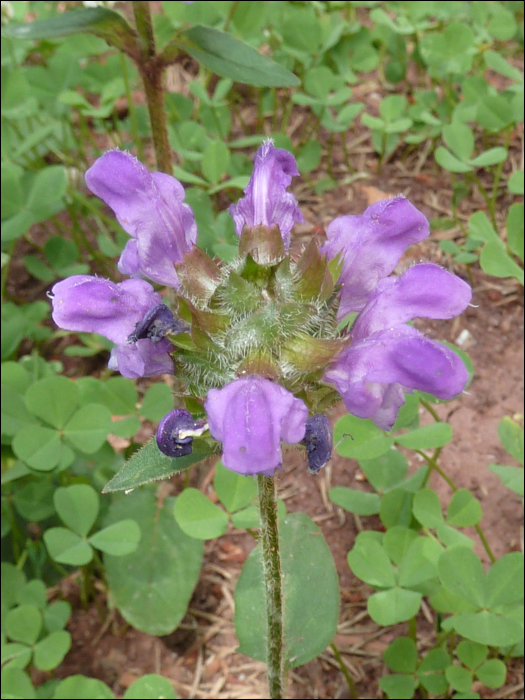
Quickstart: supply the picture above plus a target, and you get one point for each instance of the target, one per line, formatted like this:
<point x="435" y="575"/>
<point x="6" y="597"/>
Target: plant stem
<point x="499" y="170"/>
<point x="272" y="580"/>
<point x="345" y="671"/>
<point x="151" y="73"/>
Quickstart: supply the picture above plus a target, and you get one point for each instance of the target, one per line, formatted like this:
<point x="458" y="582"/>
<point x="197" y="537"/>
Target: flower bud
<point x="176" y="432"/>
<point x="318" y="441"/>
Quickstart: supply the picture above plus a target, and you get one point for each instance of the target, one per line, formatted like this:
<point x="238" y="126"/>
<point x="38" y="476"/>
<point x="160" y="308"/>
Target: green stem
<point x="431" y="410"/>
<point x="231" y="13"/>
<point x="272" y="580"/>
<point x="499" y="170"/>
<point x="345" y="672"/>
<point x="486" y="197"/>
<point x="151" y="73"/>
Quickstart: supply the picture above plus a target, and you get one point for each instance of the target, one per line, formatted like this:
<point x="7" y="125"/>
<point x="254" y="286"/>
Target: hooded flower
<point x="319" y="441"/>
<point x="386" y="357"/>
<point x="118" y="312"/>
<point x="251" y="416"/>
<point x="148" y="206"/>
<point x="176" y="432"/>
<point x="371" y="245"/>
<point x="266" y="201"/>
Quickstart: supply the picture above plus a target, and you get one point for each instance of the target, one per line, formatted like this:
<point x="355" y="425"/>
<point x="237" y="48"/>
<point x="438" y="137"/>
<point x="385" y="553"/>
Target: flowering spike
<point x="318" y="440"/>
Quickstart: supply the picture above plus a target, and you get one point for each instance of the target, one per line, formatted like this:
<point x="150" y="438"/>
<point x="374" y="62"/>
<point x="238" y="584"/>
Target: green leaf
<point x="12" y="581"/>
<point x="359" y="502"/>
<point x="515" y="236"/>
<point x="216" y="159"/>
<point x="153" y="586"/>
<point x="502" y="24"/>
<point x="223" y="54"/>
<point x="459" y="678"/>
<point x="50" y="651"/>
<point x="495" y="261"/>
<point x="120" y="396"/>
<point x="396" y="542"/>
<point x="235" y="491"/>
<point x="66" y="547"/>
<point x="396" y="508"/>
<point x="250" y="517"/>
<point x="118" y="539"/>
<point x="492" y="673"/>
<point x="77" y="506"/>
<point x="446" y="160"/>
<point x="125" y="427"/>
<point x="386" y="471"/>
<point x="34" y="501"/>
<point x="150" y="686"/>
<point x="363" y="440"/>
<point x="427" y="508"/>
<point x="53" y="399"/>
<point x="393" y="606"/>
<point x="15" y="656"/>
<point x="463" y="510"/>
<point x="504" y="581"/>
<point x="460" y="139"/>
<point x="516" y="182"/>
<point x="56" y="615"/>
<point x="487" y="628"/>
<point x="511" y="477"/>
<point x="81" y="687"/>
<point x="150" y="464"/>
<point x="398" y="687"/>
<point x="370" y="563"/>
<point x="14" y="412"/>
<point x="427" y="437"/>
<point x="99" y="21"/>
<point x="39" y="447"/>
<point x="511" y="436"/>
<point x="23" y="624"/>
<point x="158" y="400"/>
<point x="497" y="62"/>
<point x="198" y="517"/>
<point x="461" y="572"/>
<point x="443" y="601"/>
<point x="480" y="228"/>
<point x="401" y="656"/>
<point x="490" y="157"/>
<point x="452" y="537"/>
<point x="494" y="113"/>
<point x="418" y="569"/>
<point x="471" y="654"/>
<point x="16" y="684"/>
<point x="88" y="429"/>
<point x="308" y="568"/>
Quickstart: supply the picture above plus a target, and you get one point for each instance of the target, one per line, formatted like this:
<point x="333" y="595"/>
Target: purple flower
<point x="386" y="358"/>
<point x="117" y="311"/>
<point x="176" y="432"/>
<point x="148" y="206"/>
<point x="251" y="416"/>
<point x="266" y="200"/>
<point x="371" y="245"/>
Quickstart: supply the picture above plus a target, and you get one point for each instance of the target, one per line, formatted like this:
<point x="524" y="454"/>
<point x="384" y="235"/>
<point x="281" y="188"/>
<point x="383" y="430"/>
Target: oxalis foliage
<point x="236" y="314"/>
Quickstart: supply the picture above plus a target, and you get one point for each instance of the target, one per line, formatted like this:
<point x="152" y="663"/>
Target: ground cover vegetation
<point x="356" y="93"/>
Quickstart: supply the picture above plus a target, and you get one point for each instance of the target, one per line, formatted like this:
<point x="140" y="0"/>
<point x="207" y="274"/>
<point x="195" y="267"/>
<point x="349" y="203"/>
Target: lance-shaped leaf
<point x="149" y="464"/>
<point x="314" y="277"/>
<point x="99" y="21"/>
<point x="229" y="57"/>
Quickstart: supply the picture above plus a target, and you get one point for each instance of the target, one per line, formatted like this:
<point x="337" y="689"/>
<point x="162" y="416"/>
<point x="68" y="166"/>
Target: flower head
<point x="386" y="357"/>
<point x="127" y="313"/>
<point x="266" y="201"/>
<point x="251" y="416"/>
<point x="148" y="206"/>
<point x="371" y="245"/>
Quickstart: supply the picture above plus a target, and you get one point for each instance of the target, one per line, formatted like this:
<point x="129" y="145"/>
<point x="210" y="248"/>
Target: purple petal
<point x="95" y="305"/>
<point x="250" y="416"/>
<point x="319" y="441"/>
<point x="176" y="423"/>
<point x="371" y="246"/>
<point x="266" y="200"/>
<point x="424" y="290"/>
<point x="365" y="373"/>
<point x="149" y="206"/>
<point x="128" y="263"/>
<point x="142" y="359"/>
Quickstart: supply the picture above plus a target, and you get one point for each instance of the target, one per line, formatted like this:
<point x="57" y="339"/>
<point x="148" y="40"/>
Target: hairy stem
<point x="346" y="673"/>
<point x="273" y="583"/>
<point x="151" y="73"/>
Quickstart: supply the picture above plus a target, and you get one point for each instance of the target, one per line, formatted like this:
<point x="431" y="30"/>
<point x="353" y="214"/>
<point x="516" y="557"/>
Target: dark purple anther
<point x="318" y="440"/>
<point x="176" y="432"/>
<point x="157" y="323"/>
